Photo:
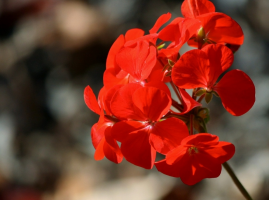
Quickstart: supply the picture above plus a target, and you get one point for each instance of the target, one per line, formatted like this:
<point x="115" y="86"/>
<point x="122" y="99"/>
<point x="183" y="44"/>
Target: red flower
<point x="214" y="28"/>
<point x="197" y="157"/>
<point x="125" y="50"/>
<point x="145" y="133"/>
<point x="202" y="68"/>
<point x="114" y="74"/>
<point x="105" y="145"/>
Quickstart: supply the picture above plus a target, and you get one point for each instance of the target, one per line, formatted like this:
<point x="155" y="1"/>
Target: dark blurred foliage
<point x="50" y="50"/>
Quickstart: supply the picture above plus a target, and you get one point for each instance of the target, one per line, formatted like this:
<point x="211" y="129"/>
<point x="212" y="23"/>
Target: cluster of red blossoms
<point x="137" y="110"/>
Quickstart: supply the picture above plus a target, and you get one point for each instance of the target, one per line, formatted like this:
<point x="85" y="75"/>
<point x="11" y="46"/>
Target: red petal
<point x="201" y="166"/>
<point x="153" y="103"/>
<point x="99" y="153"/>
<point x="157" y="73"/>
<point x="137" y="149"/>
<point x="172" y="31"/>
<point x="202" y="68"/>
<point x="121" y="130"/>
<point x="90" y="100"/>
<point x="168" y="134"/>
<point x="181" y="166"/>
<point x="221" y="28"/>
<point x="220" y="59"/>
<point x="108" y="98"/>
<point x="110" y="79"/>
<point x="188" y="102"/>
<point x="160" y="21"/>
<point x="201" y="140"/>
<point x="138" y="60"/>
<point x="160" y="85"/>
<point x="170" y="170"/>
<point x="101" y="98"/>
<point x="194" y="8"/>
<point x="237" y="92"/>
<point x="191" y="70"/>
<point x="111" y="148"/>
<point x="97" y="134"/>
<point x="176" y="154"/>
<point x="149" y="38"/>
<point x="122" y="105"/>
<point x="179" y="31"/>
<point x="117" y="45"/>
<point x="98" y="130"/>
<point x="223" y="151"/>
<point x="133" y="34"/>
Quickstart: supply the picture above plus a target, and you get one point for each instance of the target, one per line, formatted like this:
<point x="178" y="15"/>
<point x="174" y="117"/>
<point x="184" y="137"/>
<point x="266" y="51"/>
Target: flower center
<point x="193" y="150"/>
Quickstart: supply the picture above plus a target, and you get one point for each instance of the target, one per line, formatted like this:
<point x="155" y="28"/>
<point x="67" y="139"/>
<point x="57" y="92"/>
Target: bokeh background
<point x="50" y="50"/>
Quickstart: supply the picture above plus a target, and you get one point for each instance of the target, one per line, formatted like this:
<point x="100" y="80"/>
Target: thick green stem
<point x="236" y="181"/>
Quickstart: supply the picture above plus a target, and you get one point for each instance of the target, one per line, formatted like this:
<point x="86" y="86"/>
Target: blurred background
<point x="50" y="50"/>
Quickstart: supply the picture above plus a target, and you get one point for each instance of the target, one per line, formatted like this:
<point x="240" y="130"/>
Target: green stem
<point x="236" y="181"/>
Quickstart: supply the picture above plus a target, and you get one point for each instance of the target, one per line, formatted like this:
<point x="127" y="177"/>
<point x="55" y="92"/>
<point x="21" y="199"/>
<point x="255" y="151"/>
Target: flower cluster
<point x="135" y="105"/>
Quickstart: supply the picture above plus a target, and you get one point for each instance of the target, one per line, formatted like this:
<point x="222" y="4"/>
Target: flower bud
<point x="200" y="92"/>
<point x="201" y="35"/>
<point x="208" y="97"/>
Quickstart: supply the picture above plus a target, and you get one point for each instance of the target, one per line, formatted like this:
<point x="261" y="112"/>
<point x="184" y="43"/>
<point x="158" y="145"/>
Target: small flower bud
<point x="204" y="114"/>
<point x="201" y="35"/>
<point x="161" y="46"/>
<point x="208" y="97"/>
<point x="171" y="63"/>
<point x="200" y="92"/>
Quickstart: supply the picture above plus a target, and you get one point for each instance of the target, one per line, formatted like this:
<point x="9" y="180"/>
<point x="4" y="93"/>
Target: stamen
<point x="193" y="150"/>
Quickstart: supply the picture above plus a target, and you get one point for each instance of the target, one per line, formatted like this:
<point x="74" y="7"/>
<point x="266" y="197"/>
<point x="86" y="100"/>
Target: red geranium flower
<point x="212" y="28"/>
<point x="197" y="157"/>
<point x="123" y="61"/>
<point x="144" y="132"/>
<point x="202" y="68"/>
<point x="102" y="141"/>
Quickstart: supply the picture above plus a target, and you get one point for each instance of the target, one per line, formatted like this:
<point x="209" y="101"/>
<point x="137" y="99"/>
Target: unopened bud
<point x="208" y="97"/>
<point x="161" y="46"/>
<point x="201" y="37"/>
<point x="204" y="114"/>
<point x="171" y="62"/>
<point x="201" y="34"/>
<point x="200" y="92"/>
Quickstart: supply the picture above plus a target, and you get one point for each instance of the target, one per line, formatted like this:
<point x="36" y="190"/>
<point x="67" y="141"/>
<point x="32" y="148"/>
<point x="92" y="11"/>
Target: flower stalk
<point x="236" y="181"/>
